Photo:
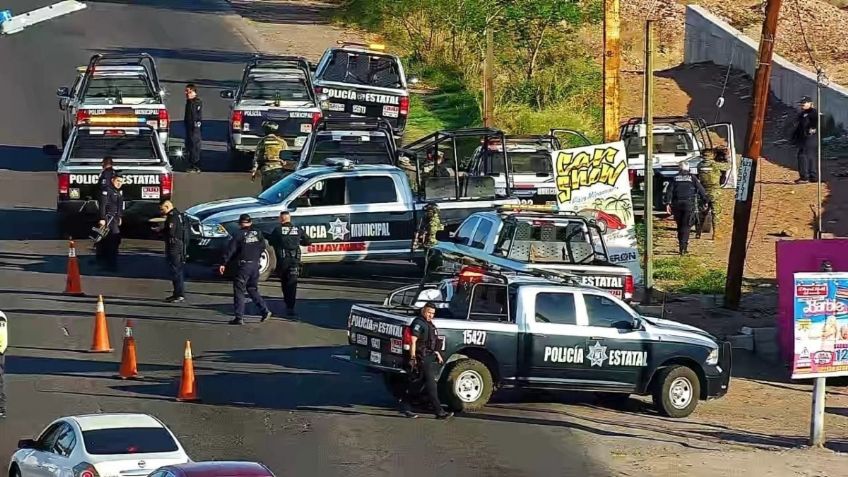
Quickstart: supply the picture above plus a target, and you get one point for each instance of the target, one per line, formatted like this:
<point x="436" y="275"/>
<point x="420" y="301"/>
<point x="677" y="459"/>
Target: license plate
<point x="299" y="141"/>
<point x="74" y="193"/>
<point x="547" y="191"/>
<point x="149" y="192"/>
<point x="640" y="172"/>
<point x="154" y="124"/>
<point x="306" y="128"/>
<point x="397" y="346"/>
<point x="375" y="343"/>
<point x="362" y="340"/>
<point x="245" y="127"/>
<point x="391" y="111"/>
<point x="336" y="107"/>
<point x="375" y="357"/>
<point x="358" y="109"/>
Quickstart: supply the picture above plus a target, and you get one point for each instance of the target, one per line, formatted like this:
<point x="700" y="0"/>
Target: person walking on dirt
<point x="806" y="140"/>
<point x="680" y="202"/>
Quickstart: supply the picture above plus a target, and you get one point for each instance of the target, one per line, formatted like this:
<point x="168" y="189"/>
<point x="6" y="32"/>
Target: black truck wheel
<point x="676" y="391"/>
<point x="468" y="385"/>
<point x="267" y="263"/>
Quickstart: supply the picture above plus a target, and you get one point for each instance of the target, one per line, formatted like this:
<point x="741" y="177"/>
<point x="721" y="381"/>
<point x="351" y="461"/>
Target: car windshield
<point x="283" y="189"/>
<point x="128" y="440"/>
<point x="550" y="241"/>
<point x="361" y="149"/>
<point x="523" y="162"/>
<point x="365" y="69"/>
<point x="676" y="143"/>
<point x="123" y="86"/>
<point x="122" y="148"/>
<point x="276" y="89"/>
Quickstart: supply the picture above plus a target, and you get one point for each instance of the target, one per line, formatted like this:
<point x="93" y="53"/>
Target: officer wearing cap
<point x="267" y="157"/>
<point x="805" y="140"/>
<point x="287" y="239"/>
<point x="680" y="197"/>
<point x="105" y="179"/>
<point x="245" y="246"/>
<point x="111" y="217"/>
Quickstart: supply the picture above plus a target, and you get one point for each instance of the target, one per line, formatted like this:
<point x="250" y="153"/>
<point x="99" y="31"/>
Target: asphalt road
<point x="270" y="393"/>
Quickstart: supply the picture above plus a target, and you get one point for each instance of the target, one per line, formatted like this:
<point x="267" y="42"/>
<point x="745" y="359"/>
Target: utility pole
<point x="753" y="150"/>
<point x="649" y="160"/>
<point x="488" y="80"/>
<point x="819" y="132"/>
<point x="612" y="69"/>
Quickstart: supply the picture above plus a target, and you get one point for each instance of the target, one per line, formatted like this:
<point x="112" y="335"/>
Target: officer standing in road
<point x="267" y="157"/>
<point x="424" y="355"/>
<point x="106" y="174"/>
<point x="806" y="140"/>
<point x="680" y="197"/>
<point x="4" y="344"/>
<point x="246" y="246"/>
<point x="176" y="233"/>
<point x="111" y="217"/>
<point x="287" y="239"/>
<point x="192" y="121"/>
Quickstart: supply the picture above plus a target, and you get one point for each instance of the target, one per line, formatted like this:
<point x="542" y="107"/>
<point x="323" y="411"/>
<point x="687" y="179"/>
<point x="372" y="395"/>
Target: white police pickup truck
<point x="351" y="212"/>
<point x="519" y="331"/>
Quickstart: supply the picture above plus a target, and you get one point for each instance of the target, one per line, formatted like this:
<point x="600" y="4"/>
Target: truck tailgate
<point x="376" y="337"/>
<point x="140" y="183"/>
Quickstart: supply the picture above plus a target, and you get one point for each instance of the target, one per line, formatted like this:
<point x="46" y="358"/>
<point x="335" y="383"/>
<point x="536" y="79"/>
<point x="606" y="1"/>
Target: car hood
<point x="674" y="329"/>
<point x="221" y="210"/>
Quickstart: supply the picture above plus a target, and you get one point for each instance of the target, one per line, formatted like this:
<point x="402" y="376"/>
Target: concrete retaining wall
<point x="710" y="39"/>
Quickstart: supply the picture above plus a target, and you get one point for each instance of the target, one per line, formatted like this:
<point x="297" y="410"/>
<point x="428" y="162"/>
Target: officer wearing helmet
<point x="267" y="157"/>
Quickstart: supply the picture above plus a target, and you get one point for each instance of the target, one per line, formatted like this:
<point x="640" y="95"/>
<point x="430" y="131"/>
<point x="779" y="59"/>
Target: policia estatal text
<point x="246" y="247"/>
<point x="267" y="157"/>
<point x="424" y="357"/>
<point x="287" y="239"/>
<point x="680" y="200"/>
<point x="111" y="216"/>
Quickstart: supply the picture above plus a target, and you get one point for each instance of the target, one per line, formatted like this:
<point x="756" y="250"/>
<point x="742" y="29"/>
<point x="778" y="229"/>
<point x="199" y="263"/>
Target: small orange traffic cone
<point x="100" y="341"/>
<point x="73" y="285"/>
<point x="188" y="385"/>
<point x="129" y="367"/>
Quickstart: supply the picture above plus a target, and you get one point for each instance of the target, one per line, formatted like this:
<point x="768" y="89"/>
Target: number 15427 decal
<point x="474" y="337"/>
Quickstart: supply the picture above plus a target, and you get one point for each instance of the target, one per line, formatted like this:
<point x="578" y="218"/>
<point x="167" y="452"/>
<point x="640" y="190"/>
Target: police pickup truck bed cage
<point x="280" y="63"/>
<point x="143" y="60"/>
<point x="696" y="126"/>
<point x="454" y="143"/>
<point x="353" y="124"/>
<point x="551" y="139"/>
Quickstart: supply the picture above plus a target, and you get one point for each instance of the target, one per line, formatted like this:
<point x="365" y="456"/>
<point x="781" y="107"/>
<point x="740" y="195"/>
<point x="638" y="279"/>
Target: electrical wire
<point x="724" y="86"/>
<point x="810" y="52"/>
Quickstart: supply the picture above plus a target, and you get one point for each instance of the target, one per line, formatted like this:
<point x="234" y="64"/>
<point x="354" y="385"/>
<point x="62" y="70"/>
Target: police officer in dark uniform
<point x="680" y="202"/>
<point x="246" y="246"/>
<point x="806" y="141"/>
<point x="286" y="240"/>
<point x="175" y="231"/>
<point x="111" y="216"/>
<point x="192" y="121"/>
<point x="424" y="355"/>
<point x="105" y="179"/>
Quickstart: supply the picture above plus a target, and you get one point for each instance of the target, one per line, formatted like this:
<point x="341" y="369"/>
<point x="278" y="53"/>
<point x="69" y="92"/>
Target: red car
<point x="604" y="220"/>
<point x="214" y="469"/>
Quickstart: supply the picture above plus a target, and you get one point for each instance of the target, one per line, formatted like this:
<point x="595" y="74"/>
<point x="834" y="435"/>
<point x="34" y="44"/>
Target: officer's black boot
<point x="237" y="321"/>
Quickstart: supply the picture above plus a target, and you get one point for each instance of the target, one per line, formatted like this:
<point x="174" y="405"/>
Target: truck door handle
<point x="400" y="212"/>
<point x="596" y="337"/>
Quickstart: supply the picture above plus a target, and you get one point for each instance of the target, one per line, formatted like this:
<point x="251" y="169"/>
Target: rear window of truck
<point x="361" y="68"/>
<point x="549" y="242"/>
<point x="124" y="148"/>
<point x="126" y="86"/>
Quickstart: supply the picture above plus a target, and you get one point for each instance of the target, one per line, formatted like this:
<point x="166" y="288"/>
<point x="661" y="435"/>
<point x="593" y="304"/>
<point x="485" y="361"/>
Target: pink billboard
<point x="801" y="256"/>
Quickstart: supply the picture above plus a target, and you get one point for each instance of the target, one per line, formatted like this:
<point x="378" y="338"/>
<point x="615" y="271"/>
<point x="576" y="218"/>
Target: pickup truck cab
<point x="278" y="90"/>
<point x="137" y="152"/>
<point x="363" y="81"/>
<point x="360" y="141"/>
<point x="518" y="331"/>
<point x="351" y="213"/>
<point x="115" y="86"/>
<point x="527" y="238"/>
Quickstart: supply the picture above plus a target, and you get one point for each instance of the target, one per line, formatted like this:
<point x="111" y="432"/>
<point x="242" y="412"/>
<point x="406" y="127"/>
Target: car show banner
<point x="593" y="181"/>
<point x="821" y="325"/>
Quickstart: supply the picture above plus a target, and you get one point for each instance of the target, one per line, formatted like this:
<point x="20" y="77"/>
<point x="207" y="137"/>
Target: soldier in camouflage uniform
<point x="425" y="236"/>
<point x="267" y="157"/>
<point x="715" y="162"/>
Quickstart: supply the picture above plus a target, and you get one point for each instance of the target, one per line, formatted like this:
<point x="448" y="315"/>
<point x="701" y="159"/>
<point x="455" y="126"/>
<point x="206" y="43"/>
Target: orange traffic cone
<point x="188" y="386"/>
<point x="100" y="341"/>
<point x="129" y="368"/>
<point x="73" y="285"/>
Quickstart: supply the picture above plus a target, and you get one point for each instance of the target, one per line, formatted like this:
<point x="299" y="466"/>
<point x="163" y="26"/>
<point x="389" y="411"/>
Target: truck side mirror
<point x="26" y="444"/>
<point x="63" y="92"/>
<point x="175" y="152"/>
<point x="51" y="150"/>
<point x="443" y="236"/>
<point x="227" y="94"/>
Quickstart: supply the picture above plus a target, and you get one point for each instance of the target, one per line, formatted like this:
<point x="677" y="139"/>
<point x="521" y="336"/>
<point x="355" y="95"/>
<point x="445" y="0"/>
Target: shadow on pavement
<point x="184" y="54"/>
<point x="205" y="83"/>
<point x="141" y="317"/>
<point x="70" y="367"/>
<point x="291" y="13"/>
<point x="151" y="266"/>
<point x="26" y="159"/>
<point x="28" y="223"/>
<point x="191" y="6"/>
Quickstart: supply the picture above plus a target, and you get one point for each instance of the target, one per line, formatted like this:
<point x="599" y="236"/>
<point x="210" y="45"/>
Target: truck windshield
<point x="124" y="86"/>
<point x="361" y="149"/>
<point x="276" y="89"/>
<point x="675" y="143"/>
<point x="122" y="148"/>
<point x="283" y="189"/>
<point x="366" y="69"/>
<point x="550" y="241"/>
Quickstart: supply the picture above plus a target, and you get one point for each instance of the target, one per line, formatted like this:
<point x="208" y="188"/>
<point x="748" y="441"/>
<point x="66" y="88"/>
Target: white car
<point x="98" y="445"/>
